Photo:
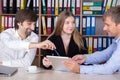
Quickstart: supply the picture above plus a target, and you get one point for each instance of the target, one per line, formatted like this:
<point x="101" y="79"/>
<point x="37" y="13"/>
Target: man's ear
<point x="18" y="24"/>
<point x="118" y="25"/>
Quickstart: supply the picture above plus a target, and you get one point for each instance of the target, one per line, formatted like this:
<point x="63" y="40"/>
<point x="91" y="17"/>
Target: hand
<point x="72" y="65"/>
<point x="46" y="62"/>
<point x="47" y="45"/>
<point x="79" y="58"/>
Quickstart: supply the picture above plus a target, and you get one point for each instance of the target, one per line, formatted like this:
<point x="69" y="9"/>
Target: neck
<point x="65" y="35"/>
<point x="22" y="34"/>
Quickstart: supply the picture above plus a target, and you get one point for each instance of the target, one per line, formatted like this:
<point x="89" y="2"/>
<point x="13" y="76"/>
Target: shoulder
<point x="9" y="31"/>
<point x="54" y="37"/>
<point x="33" y="35"/>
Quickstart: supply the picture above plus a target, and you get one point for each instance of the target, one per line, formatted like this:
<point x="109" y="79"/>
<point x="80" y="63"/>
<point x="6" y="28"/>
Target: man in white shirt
<point x="18" y="45"/>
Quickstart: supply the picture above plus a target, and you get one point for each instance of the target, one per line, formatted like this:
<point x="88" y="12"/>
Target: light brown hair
<point x="59" y="27"/>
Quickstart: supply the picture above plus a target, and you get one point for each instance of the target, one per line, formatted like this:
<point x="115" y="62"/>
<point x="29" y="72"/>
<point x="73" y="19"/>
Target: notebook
<point x="7" y="71"/>
<point x="57" y="62"/>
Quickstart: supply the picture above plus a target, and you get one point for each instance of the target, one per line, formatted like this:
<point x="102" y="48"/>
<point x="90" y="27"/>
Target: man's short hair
<point x="25" y="14"/>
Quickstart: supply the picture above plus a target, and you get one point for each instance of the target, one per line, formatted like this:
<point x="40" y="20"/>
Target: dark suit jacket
<point x="72" y="50"/>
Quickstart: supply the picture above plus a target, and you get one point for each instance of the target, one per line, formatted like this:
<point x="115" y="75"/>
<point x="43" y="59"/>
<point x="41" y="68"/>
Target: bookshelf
<point x="48" y="10"/>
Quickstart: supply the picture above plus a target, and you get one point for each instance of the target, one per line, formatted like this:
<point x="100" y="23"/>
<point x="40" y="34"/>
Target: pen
<point x="56" y="52"/>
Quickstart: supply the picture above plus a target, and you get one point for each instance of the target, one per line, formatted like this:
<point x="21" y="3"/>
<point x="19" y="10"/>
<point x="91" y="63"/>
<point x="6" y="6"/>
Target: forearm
<point x="96" y="69"/>
<point x="33" y="45"/>
<point x="22" y="61"/>
<point x="96" y="57"/>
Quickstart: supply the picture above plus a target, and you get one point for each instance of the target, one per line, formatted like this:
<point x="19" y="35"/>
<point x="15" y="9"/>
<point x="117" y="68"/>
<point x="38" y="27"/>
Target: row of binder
<point x="92" y="8"/>
<point x="89" y="25"/>
<point x="98" y="43"/>
<point x="56" y="6"/>
<point x="7" y="21"/>
<point x="12" y="6"/>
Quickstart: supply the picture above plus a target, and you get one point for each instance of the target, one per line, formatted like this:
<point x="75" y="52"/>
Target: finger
<point x="74" y="57"/>
<point x="52" y="46"/>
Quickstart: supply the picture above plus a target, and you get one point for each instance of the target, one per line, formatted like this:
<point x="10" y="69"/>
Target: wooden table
<point x="22" y="74"/>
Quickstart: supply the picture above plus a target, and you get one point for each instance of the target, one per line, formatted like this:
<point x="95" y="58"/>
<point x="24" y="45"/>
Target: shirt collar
<point x="16" y="33"/>
<point x="117" y="40"/>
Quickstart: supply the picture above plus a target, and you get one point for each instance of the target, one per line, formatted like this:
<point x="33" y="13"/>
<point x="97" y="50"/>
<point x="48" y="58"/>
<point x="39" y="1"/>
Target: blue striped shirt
<point x="111" y="56"/>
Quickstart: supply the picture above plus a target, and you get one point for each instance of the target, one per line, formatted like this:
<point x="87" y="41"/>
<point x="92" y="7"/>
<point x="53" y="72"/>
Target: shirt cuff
<point x="82" y="69"/>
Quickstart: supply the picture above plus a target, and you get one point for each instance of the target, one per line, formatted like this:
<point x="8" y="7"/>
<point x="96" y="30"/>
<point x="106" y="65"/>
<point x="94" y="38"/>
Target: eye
<point x="66" y="22"/>
<point x="73" y="22"/>
<point x="29" y="23"/>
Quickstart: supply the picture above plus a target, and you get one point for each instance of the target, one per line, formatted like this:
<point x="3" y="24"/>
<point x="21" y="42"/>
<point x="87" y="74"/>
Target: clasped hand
<point x="73" y="64"/>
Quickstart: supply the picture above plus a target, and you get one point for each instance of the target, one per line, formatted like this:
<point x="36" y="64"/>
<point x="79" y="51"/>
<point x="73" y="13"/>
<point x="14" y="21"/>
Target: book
<point x="49" y="6"/>
<point x="65" y="5"/>
<point x="94" y="8"/>
<point x="88" y="24"/>
<point x="34" y="6"/>
<point x="2" y="28"/>
<point x="108" y="5"/>
<point x="6" y="22"/>
<point x="10" y="6"/>
<point x="90" y="45"/>
<point x="95" y="44"/>
<point x="37" y="7"/>
<point x="68" y="5"/>
<point x="104" y="42"/>
<point x="49" y="28"/>
<point x="22" y="4"/>
<point x="10" y="22"/>
<point x="104" y="6"/>
<point x="113" y="3"/>
<point x="77" y="22"/>
<point x="77" y="10"/>
<point x="56" y="7"/>
<point x="99" y="43"/>
<point x="91" y="12"/>
<point x="53" y="6"/>
<point x="118" y="2"/>
<point x="36" y="30"/>
<point x="60" y="6"/>
<point x="95" y="3"/>
<point x="18" y="5"/>
<point x="84" y="26"/>
<point x="93" y="25"/>
<point x="73" y="6"/>
<point x="44" y="11"/>
<point x="44" y="25"/>
<point x="5" y="6"/>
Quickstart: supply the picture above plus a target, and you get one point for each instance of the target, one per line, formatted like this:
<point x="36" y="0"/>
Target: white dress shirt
<point x="15" y="52"/>
<point x="111" y="56"/>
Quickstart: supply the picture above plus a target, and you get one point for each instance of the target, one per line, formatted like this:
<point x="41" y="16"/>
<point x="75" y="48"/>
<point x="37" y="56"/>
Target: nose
<point x="105" y="27"/>
<point x="32" y="27"/>
<point x="72" y="25"/>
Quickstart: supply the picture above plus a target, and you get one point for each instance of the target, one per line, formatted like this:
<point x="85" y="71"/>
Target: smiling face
<point x="69" y="25"/>
<point x="111" y="27"/>
<point x="26" y="27"/>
